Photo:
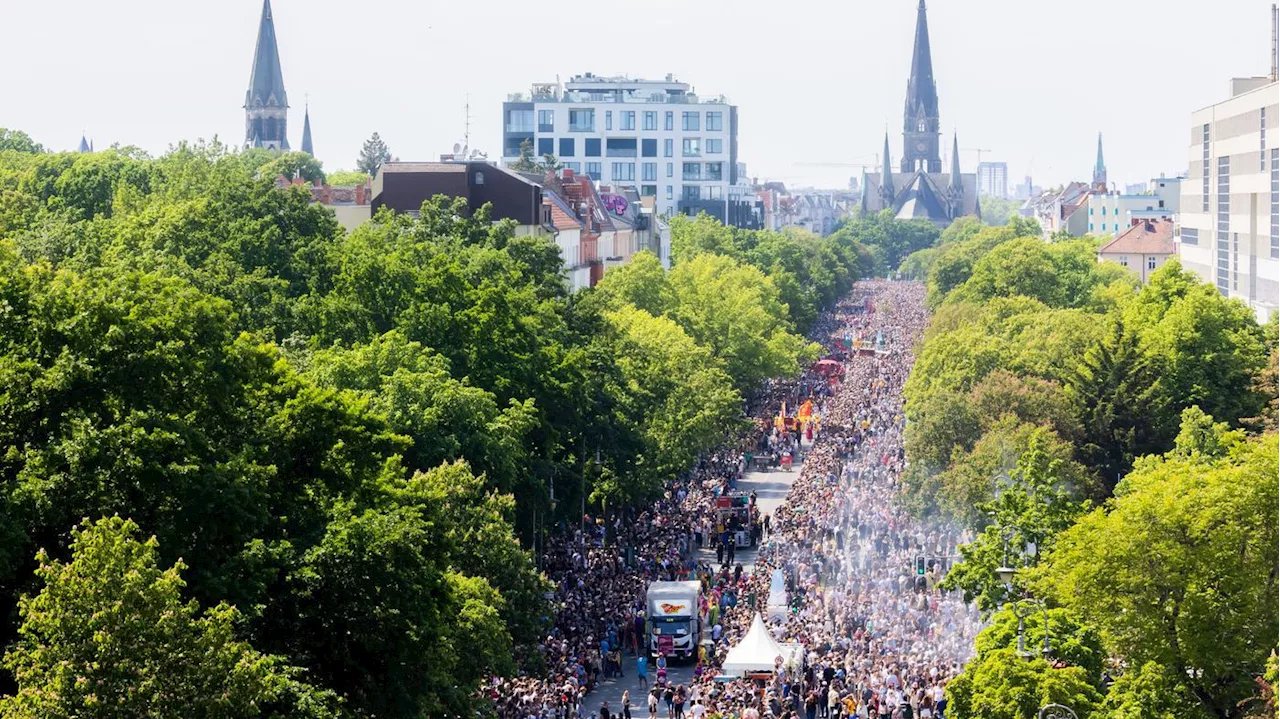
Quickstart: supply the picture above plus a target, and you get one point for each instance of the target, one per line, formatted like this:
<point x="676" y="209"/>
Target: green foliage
<point x="293" y="164"/>
<point x="1179" y="569"/>
<point x="1071" y="641"/>
<point x="1038" y="501"/>
<point x="1149" y="691"/>
<point x="373" y="155"/>
<point x="999" y="211"/>
<point x="346" y="178"/>
<point x="18" y="141"/>
<point x="891" y="239"/>
<point x="110" y="635"/>
<point x="1002" y="685"/>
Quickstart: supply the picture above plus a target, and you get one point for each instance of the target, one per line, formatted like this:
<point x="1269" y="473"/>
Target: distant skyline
<point x="816" y="82"/>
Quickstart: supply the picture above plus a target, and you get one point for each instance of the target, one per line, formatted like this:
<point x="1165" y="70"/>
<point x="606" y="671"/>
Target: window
<point x="649" y="148"/>
<point x="1204" y="168"/>
<point x="691" y="171"/>
<point x="1115" y="227"/>
<point x="479" y="178"/>
<point x="608" y="119"/>
<point x="582" y="121"/>
<point x="715" y="121"/>
<point x="593" y="171"/>
<point x="1124" y="260"/>
<point x="670" y="192"/>
<point x="650" y="120"/>
<point x="628" y="120"/>
<point x="1223" y="249"/>
<point x="713" y="146"/>
<point x="671" y="169"/>
<point x="592" y="148"/>
<point x="1275" y="203"/>
<point x="1262" y="141"/>
<point x="1090" y="210"/>
<point x="511" y="144"/>
<point x="520" y="121"/>
<point x="1190" y="236"/>
<point x="1151" y="263"/>
<point x="649" y="172"/>
<point x="671" y="123"/>
<point x="649" y="190"/>
<point x="623" y="171"/>
<point x="575" y="166"/>
<point x="620" y="147"/>
<point x="566" y="147"/>
<point x="691" y="193"/>
<point x="546" y="120"/>
<point x="690" y="121"/>
<point x="715" y="170"/>
<point x="546" y="146"/>
<point x="691" y="148"/>
<point x="1091" y="227"/>
<point x="668" y="147"/>
<point x="715" y="192"/>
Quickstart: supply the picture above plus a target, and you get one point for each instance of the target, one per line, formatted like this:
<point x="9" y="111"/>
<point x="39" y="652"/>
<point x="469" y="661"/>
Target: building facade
<point x="993" y="179"/>
<point x="658" y="137"/>
<point x="1230" y="209"/>
<point x="920" y="190"/>
<point x="1111" y="213"/>
<point x="1141" y="248"/>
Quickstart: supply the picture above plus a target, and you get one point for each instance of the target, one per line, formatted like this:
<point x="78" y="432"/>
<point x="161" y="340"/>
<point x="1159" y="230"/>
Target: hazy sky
<point x="1030" y="81"/>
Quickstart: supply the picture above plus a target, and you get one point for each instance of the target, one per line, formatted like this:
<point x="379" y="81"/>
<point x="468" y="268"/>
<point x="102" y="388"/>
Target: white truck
<point x="675" y="622"/>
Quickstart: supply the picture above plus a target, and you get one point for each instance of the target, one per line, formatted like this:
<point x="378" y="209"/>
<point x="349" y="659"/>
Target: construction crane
<point x="978" y="150"/>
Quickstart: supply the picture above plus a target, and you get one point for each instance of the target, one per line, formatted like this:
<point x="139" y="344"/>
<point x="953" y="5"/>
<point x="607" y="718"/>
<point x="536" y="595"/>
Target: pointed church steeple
<point x="1099" y="170"/>
<point x="887" y="193"/>
<point x="921" y="137"/>
<point x="306" y="131"/>
<point x="84" y="144"/>
<point x="266" y="104"/>
<point x="955" y="162"/>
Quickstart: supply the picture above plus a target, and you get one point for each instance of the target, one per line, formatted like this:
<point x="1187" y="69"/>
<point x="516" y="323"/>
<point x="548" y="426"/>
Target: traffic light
<point x="920" y="565"/>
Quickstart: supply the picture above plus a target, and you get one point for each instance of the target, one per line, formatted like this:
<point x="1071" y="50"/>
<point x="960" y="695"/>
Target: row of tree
<point x="254" y="465"/>
<point x="1115" y="443"/>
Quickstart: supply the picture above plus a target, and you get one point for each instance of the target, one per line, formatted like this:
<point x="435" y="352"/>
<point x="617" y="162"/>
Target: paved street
<point x="771" y="489"/>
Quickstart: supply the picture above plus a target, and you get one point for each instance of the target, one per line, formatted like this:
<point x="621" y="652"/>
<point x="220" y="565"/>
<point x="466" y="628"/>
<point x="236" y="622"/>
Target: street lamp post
<point x="1005" y="575"/>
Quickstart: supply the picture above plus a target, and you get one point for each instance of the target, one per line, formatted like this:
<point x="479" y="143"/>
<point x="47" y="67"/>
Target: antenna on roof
<point x="466" y="132"/>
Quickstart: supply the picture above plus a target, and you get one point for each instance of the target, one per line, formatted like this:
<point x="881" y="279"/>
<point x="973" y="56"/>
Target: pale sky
<point x="1031" y="82"/>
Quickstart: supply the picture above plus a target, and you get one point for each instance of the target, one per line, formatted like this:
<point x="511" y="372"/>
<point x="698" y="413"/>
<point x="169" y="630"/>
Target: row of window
<point x="626" y="171"/>
<point x="1151" y="261"/>
<point x="627" y="146"/>
<point x="584" y="120"/>
<point x="1103" y="227"/>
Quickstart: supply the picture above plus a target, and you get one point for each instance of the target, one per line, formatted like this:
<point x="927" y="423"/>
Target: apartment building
<point x="993" y="179"/>
<point x="658" y="137"/>
<point x="1111" y="213"/>
<point x="1230" y="208"/>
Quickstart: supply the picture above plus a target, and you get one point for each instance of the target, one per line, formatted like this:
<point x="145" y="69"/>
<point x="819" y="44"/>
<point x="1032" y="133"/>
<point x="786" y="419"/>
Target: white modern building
<point x="1111" y="213"/>
<point x="658" y="137"/>
<point x="993" y="179"/>
<point x="1230" y="209"/>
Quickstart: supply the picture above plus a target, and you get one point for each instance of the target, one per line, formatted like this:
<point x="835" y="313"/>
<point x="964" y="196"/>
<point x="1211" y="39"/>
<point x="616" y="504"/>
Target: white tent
<point x="757" y="651"/>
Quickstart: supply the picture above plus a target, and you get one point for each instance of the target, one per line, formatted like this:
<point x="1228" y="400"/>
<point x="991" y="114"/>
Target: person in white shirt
<point x="697" y="711"/>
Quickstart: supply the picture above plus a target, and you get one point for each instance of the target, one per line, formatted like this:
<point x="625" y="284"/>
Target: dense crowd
<point x="879" y="639"/>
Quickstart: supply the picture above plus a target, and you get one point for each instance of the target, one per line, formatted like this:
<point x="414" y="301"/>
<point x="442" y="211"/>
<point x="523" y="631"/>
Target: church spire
<point x="1100" y="170"/>
<point x="920" y="114"/>
<point x="265" y="102"/>
<point x="887" y="193"/>
<point x="955" y="162"/>
<point x="84" y="144"/>
<point x="306" y="131"/>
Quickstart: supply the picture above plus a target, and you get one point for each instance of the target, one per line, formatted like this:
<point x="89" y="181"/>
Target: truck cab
<point x="674" y="619"/>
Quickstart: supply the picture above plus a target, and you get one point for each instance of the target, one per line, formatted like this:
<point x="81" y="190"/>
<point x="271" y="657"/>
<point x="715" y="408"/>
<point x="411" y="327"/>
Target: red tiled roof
<point x="1150" y="237"/>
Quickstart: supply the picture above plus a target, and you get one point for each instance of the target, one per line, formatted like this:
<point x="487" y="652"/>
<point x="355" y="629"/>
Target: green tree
<point x="1149" y="691"/>
<point x="373" y="155"/>
<point x="347" y="178"/>
<point x="693" y="236"/>
<point x="734" y="310"/>
<point x="1002" y="685"/>
<point x="18" y="141"/>
<point x="291" y="165"/>
<point x="1179" y="569"/>
<point x="110" y="635"/>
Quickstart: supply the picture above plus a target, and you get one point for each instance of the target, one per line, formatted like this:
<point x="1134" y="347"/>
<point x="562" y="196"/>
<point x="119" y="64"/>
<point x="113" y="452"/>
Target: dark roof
<point x="920" y="201"/>
<point x="84" y="144"/>
<point x="921" y="91"/>
<point x="1152" y="237"/>
<point x="306" y="132"/>
<point x="266" y="81"/>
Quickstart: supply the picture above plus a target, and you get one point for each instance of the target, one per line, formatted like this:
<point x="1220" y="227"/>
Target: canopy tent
<point x="757" y="652"/>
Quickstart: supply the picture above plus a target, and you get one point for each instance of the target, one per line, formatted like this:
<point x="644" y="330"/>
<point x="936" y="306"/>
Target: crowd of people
<point x="879" y="639"/>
